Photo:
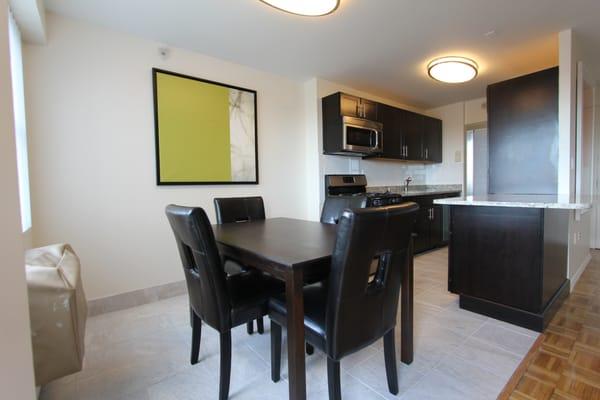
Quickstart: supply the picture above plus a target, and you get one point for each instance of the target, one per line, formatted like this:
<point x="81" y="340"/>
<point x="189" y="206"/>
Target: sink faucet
<point x="407" y="182"/>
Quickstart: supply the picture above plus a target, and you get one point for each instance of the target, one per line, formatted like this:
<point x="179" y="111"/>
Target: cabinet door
<point x="368" y="109"/>
<point x="349" y="105"/>
<point x="392" y="142"/>
<point x="412" y="135"/>
<point x="422" y="229"/>
<point x="437" y="226"/>
<point x="432" y="140"/>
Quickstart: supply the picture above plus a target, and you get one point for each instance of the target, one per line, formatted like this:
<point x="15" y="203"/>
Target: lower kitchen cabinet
<point x="431" y="228"/>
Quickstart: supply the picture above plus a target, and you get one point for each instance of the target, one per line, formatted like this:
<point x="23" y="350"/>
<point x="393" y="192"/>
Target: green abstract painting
<point x="205" y="131"/>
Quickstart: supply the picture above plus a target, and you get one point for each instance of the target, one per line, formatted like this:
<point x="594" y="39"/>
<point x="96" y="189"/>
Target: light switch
<point x="457" y="156"/>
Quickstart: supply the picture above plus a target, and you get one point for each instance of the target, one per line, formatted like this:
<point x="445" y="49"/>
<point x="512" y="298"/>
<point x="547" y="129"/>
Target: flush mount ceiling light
<point x="452" y="69"/>
<point x="311" y="8"/>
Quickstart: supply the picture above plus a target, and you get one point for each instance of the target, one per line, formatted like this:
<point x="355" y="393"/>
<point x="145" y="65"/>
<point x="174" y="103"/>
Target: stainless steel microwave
<point x="362" y="136"/>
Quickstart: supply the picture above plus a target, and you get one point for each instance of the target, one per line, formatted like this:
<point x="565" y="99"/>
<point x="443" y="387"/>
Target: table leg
<point x="295" y="332"/>
<point x="406" y="300"/>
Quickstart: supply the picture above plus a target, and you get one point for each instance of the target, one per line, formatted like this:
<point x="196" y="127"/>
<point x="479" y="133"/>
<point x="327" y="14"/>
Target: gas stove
<point x="350" y="191"/>
<point x="375" y="199"/>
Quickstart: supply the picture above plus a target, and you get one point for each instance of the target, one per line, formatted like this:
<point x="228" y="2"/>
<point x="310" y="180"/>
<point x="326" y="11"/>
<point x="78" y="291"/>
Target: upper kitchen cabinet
<point x="355" y="126"/>
<point x="432" y="140"/>
<point x="391" y="118"/>
<point x="523" y="134"/>
<point x="352" y="106"/>
<point x="413" y="127"/>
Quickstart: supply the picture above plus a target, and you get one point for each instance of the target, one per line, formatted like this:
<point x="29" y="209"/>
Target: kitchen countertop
<point x="522" y="201"/>
<point x="417" y="190"/>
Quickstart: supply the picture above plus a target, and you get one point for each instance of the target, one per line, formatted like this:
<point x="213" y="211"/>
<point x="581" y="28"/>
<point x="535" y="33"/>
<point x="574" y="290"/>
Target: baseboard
<point x="135" y="298"/>
<point x="580" y="270"/>
<point x="517" y="316"/>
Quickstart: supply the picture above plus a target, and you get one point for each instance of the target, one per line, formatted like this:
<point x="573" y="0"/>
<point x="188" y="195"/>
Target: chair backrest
<point x="333" y="207"/>
<point x="201" y="262"/>
<point x="362" y="307"/>
<point x="239" y="209"/>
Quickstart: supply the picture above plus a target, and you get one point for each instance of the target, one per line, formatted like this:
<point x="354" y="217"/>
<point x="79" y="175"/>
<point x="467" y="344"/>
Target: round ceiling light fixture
<point x="453" y="69"/>
<point x="310" y="8"/>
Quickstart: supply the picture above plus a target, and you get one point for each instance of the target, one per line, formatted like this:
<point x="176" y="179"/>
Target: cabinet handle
<point x="426" y="153"/>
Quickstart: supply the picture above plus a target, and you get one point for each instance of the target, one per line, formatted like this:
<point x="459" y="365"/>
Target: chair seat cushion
<point x="249" y="293"/>
<point x="315" y="305"/>
<point x="232" y="267"/>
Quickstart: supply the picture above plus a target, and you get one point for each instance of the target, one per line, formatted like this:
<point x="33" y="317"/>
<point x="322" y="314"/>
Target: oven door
<point x="362" y="136"/>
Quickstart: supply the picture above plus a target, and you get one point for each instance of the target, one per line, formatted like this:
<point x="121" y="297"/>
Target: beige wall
<point x="16" y="365"/>
<point x="91" y="135"/>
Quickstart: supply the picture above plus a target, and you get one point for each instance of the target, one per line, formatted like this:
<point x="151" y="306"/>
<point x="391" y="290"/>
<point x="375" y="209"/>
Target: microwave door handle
<point x="374" y="132"/>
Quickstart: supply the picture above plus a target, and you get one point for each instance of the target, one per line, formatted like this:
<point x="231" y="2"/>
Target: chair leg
<point x="250" y="327"/>
<point x="309" y="349"/>
<point x="196" y="335"/>
<point x="260" y="327"/>
<point x="389" y="351"/>
<point x="225" y="366"/>
<point x="333" y="379"/>
<point x="275" y="352"/>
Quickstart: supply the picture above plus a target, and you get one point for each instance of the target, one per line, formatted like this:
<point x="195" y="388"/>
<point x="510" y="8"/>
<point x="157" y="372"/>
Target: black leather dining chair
<point x="235" y="210"/>
<point x="334" y="206"/>
<point x="216" y="299"/>
<point x="355" y="308"/>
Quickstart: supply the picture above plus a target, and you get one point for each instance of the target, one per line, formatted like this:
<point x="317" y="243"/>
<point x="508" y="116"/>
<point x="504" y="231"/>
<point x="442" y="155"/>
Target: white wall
<point x="455" y="117"/>
<point x="571" y="51"/>
<point x="90" y="112"/>
<point x="16" y="363"/>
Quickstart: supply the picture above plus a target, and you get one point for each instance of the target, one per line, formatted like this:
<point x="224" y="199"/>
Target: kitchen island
<point x="508" y="255"/>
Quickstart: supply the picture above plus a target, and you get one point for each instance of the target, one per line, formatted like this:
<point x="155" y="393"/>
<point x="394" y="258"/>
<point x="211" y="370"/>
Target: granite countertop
<point x="417" y="190"/>
<point x="522" y="201"/>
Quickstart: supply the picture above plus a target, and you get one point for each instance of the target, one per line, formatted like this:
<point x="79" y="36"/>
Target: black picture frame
<point x="159" y="182"/>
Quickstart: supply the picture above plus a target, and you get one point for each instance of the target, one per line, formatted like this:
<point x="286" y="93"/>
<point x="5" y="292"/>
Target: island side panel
<point x="496" y="255"/>
<point x="556" y="249"/>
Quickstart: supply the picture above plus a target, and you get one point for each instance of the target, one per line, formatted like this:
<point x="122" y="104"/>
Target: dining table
<point x="290" y="249"/>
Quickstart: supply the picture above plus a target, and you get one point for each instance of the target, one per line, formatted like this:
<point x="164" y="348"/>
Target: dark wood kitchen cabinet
<point x="390" y="117"/>
<point x="413" y="127"/>
<point x="523" y="134"/>
<point x="410" y="136"/>
<point x="509" y="263"/>
<point x="352" y="106"/>
<point x="432" y="140"/>
<point x="432" y="222"/>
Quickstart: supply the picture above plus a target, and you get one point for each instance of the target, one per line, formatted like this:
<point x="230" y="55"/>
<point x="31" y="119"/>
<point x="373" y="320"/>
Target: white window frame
<point x="18" y="91"/>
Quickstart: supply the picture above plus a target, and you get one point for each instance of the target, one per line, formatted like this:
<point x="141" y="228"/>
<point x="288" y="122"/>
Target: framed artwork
<point x="205" y="132"/>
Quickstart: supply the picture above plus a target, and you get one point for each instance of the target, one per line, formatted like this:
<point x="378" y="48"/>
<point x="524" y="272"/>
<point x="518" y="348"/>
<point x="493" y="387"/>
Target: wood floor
<point x="565" y="362"/>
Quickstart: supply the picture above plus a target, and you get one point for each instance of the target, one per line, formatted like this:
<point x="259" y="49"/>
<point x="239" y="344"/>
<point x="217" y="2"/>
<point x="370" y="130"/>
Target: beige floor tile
<point x="507" y="339"/>
<point x="142" y="353"/>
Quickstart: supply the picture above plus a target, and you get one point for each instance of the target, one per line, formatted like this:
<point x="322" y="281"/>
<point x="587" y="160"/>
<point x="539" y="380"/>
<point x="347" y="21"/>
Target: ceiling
<point x="378" y="46"/>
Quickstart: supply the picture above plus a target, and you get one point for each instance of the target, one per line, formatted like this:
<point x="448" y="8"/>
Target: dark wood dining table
<point x="288" y="249"/>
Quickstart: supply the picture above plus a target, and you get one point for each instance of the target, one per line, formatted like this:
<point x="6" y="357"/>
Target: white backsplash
<point x="391" y="173"/>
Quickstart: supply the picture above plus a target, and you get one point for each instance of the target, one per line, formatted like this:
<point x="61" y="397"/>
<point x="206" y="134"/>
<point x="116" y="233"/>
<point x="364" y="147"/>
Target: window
<point x="16" y="67"/>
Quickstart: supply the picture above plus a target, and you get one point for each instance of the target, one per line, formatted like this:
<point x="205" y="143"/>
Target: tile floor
<point x="142" y="353"/>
